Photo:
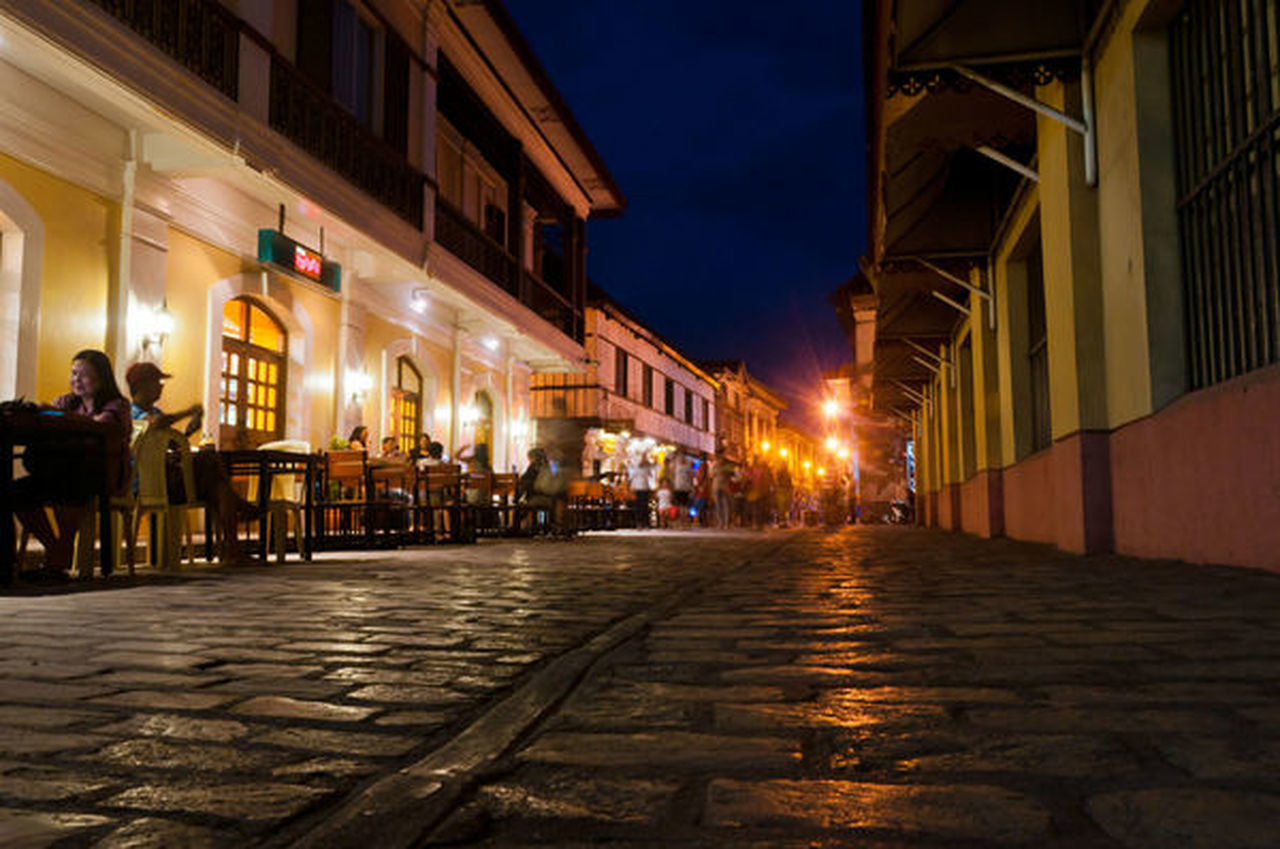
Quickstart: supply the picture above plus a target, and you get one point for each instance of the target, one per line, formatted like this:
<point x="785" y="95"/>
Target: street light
<point x="832" y="443"/>
<point x="830" y="408"/>
<point x="764" y="446"/>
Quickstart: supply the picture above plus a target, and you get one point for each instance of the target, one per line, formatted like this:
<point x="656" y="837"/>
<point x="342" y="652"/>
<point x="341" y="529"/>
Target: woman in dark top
<point x="56" y="478"/>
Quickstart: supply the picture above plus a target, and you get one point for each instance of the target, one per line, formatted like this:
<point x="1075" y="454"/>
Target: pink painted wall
<point x="949" y="507"/>
<point x="1200" y="480"/>
<point x="1029" y="508"/>
<point x="981" y="507"/>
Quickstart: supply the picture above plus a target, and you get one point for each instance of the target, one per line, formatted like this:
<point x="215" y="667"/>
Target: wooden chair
<point x="344" y="493"/>
<point x="439" y="503"/>
<point x="503" y="498"/>
<point x="390" y="490"/>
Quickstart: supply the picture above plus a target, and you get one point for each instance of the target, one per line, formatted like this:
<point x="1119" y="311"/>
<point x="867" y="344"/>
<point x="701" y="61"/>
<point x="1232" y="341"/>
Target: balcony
<point x="564" y="397"/>
<point x="462" y="238"/>
<point x="200" y="35"/>
<point x="306" y="115"/>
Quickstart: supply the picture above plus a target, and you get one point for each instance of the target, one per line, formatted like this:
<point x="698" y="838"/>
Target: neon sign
<point x="307" y="262"/>
<point x="278" y="249"/>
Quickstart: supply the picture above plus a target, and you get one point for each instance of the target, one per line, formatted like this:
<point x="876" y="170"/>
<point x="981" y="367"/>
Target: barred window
<point x="1225" y="69"/>
<point x="1037" y="352"/>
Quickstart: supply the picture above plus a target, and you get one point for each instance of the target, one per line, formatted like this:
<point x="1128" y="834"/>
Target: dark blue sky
<point x="735" y="130"/>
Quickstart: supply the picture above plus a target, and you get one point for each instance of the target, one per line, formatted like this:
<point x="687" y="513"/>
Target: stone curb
<point x="399" y="809"/>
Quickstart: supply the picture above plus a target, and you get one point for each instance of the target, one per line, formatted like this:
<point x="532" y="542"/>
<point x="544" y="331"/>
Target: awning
<point x="931" y="34"/>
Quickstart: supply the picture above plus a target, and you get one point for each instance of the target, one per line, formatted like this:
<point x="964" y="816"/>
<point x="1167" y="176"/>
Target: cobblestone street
<point x="877" y="687"/>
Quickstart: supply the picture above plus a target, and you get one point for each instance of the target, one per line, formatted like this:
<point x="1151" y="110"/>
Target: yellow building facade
<point x="143" y="159"/>
<point x="1074" y="280"/>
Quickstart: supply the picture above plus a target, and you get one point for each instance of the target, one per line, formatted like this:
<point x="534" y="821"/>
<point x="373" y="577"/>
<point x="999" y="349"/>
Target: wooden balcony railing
<point x="306" y="115"/>
<point x="553" y="397"/>
<point x="548" y="303"/>
<point x="200" y="35"/>
<point x="462" y="238"/>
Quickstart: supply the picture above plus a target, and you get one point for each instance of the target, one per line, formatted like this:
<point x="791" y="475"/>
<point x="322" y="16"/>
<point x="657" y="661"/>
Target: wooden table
<point x="87" y="438"/>
<point x="265" y="465"/>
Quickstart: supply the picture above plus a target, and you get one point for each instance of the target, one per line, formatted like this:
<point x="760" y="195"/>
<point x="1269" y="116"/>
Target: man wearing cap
<point x="145" y="388"/>
<point x="212" y="486"/>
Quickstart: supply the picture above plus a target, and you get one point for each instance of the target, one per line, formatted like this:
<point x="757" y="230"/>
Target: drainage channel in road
<point x="401" y="809"/>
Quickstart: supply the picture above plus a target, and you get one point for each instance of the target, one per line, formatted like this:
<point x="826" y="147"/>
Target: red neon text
<point x="306" y="262"/>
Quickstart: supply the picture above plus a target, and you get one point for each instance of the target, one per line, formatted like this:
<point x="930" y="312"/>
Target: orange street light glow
<point x="783" y="452"/>
<point x="821" y="471"/>
<point x="830" y="408"/>
<point x="832" y="443"/>
<point x="764" y="446"/>
<point x="807" y="465"/>
<point x="843" y="453"/>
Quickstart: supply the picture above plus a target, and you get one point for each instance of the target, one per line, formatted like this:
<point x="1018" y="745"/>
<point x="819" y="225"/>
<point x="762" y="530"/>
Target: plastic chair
<point x="153" y="495"/>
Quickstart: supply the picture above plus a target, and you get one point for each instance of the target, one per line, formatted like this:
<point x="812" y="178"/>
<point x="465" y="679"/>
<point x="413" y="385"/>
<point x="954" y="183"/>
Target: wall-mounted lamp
<point x="490" y="342"/>
<point x="155" y="326"/>
<point x="359" y="384"/>
<point x="469" y="415"/>
<point x="418" y="301"/>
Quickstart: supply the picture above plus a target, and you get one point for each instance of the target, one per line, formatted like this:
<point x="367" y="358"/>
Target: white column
<point x="455" y="393"/>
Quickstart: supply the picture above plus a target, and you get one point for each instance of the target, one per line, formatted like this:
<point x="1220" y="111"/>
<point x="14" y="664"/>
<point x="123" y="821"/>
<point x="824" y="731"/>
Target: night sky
<point x="735" y="131"/>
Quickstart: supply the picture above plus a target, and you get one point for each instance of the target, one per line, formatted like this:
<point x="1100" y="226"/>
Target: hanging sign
<point x="281" y="251"/>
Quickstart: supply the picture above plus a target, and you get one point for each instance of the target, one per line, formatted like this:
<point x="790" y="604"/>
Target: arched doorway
<point x="406" y="405"/>
<point x="484" y="424"/>
<point x="251" y="407"/>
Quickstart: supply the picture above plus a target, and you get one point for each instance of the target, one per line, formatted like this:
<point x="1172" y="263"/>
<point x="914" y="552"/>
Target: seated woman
<point x="57" y="479"/>
<point x="359" y="438"/>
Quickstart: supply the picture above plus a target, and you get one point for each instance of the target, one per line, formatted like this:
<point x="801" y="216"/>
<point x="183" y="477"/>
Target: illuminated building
<point x="313" y="215"/>
<point x="748" y="410"/>
<point x="638" y="392"/>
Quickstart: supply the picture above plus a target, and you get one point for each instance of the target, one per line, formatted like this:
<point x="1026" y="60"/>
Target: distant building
<point x="748" y="411"/>
<point x="1074" y="269"/>
<point x="638" y="393"/>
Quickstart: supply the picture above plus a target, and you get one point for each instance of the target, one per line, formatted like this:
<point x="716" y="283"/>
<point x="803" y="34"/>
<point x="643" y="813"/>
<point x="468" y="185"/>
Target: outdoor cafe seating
<point x="327" y="501"/>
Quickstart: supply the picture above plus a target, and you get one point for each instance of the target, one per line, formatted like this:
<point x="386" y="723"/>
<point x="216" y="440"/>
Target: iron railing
<point x="200" y="35"/>
<point x="1226" y="97"/>
<point x="309" y="117"/>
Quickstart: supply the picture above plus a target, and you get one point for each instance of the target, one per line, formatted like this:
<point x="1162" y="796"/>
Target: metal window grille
<point x="1225" y="65"/>
<point x="1038" y="353"/>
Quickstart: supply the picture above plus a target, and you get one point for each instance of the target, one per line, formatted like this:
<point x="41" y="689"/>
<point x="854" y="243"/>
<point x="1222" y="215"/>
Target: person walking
<point x="722" y="491"/>
<point x="641" y="480"/>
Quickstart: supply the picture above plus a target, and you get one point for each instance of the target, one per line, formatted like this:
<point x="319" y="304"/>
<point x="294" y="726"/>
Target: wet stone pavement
<point x="881" y="687"/>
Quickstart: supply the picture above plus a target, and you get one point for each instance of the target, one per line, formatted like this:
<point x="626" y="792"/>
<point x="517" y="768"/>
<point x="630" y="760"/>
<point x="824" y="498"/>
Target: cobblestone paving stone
<point x="890" y="687"/>
<point x="211" y="710"/>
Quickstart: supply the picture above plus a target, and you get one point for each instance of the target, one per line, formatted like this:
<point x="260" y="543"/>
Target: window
<point x="669" y="407"/>
<point x="620" y="366"/>
<point x="706" y="414"/>
<point x="251" y="397"/>
<point x="406" y="405"/>
<point x="688" y="406"/>
<point x="1038" y="351"/>
<point x="357" y="52"/>
<point x="1225" y="84"/>
<point x="647" y="389"/>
